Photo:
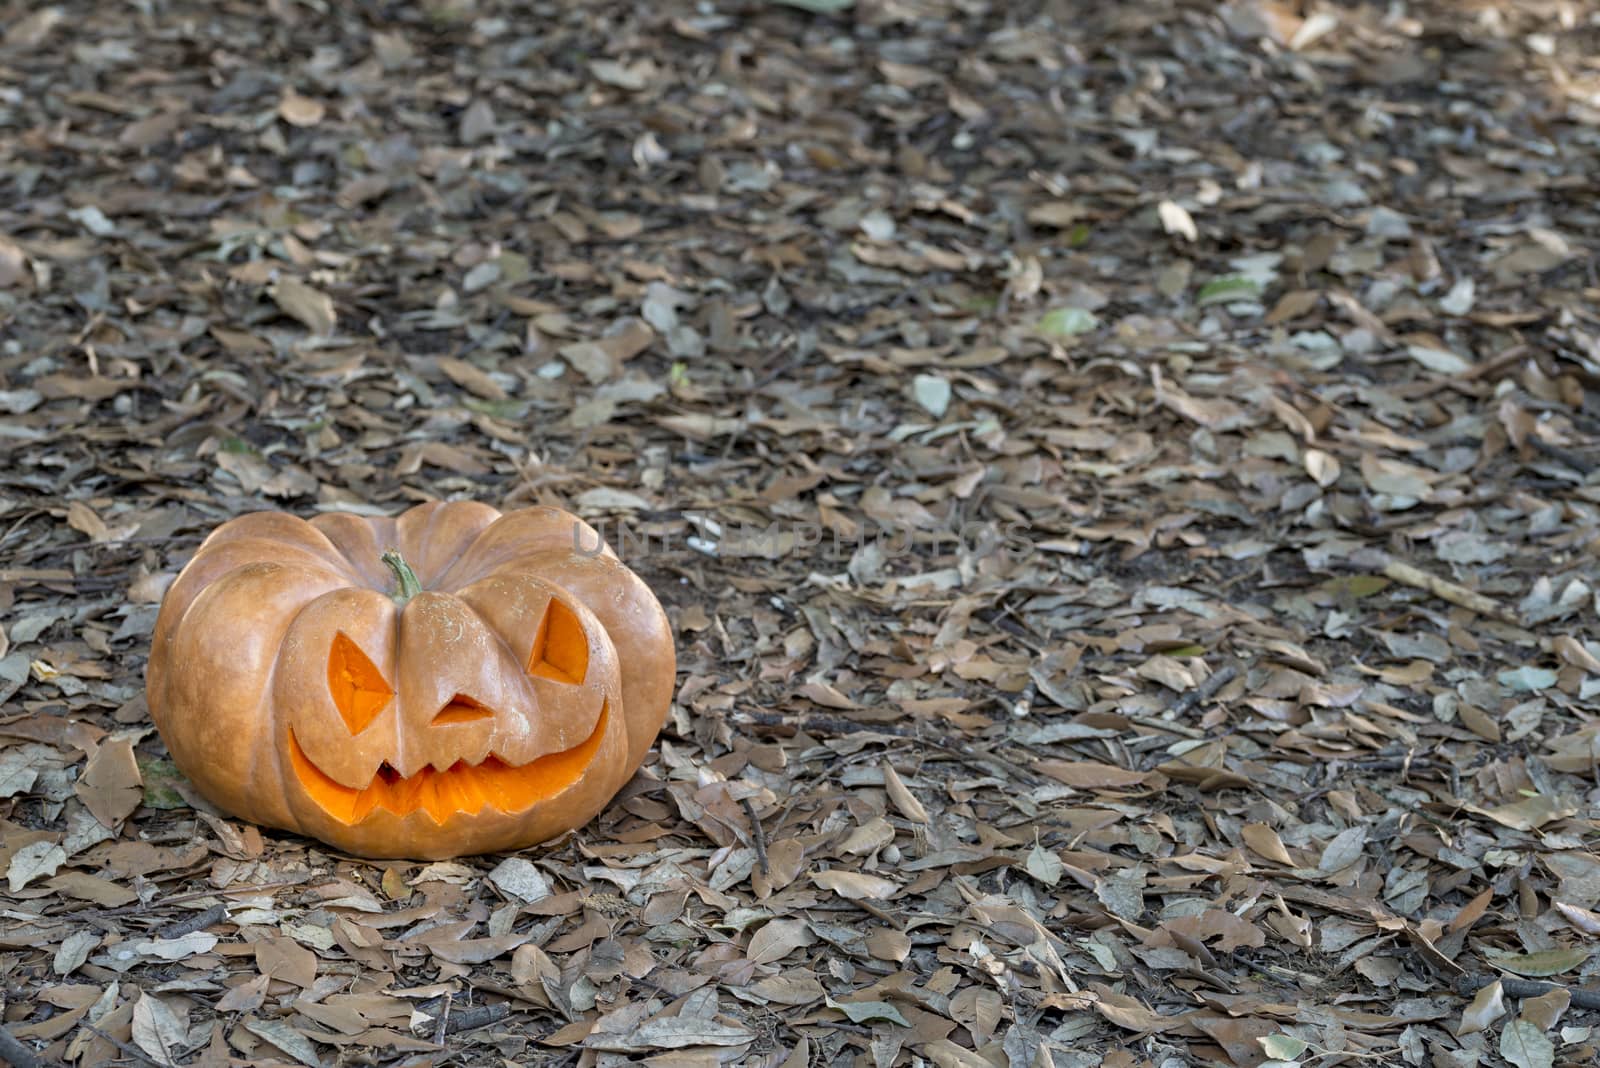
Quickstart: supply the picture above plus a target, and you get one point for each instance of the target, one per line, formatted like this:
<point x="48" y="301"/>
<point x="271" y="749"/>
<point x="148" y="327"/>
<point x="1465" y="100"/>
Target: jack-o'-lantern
<point x="446" y="682"/>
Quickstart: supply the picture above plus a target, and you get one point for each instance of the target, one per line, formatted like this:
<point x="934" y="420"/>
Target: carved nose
<point x="462" y="709"/>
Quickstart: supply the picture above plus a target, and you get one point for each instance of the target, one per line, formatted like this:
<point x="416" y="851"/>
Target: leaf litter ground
<point x="1123" y="477"/>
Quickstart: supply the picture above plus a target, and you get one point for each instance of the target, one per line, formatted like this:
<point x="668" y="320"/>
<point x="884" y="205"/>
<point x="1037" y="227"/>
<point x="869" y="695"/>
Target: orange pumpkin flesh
<point x="502" y="697"/>
<point x="462" y="787"/>
<point x="359" y="690"/>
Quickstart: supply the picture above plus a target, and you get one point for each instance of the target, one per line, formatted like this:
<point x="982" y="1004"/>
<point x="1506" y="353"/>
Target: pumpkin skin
<point x="503" y="705"/>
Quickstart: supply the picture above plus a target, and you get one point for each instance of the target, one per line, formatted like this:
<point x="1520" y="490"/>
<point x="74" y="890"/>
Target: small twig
<point x="829" y="725"/>
<point x="190" y="924"/>
<point x="471" y="345"/>
<point x="758" y="834"/>
<point x="1579" y="463"/>
<point x="16" y="1054"/>
<point x="1426" y="387"/>
<point x="1522" y="988"/>
<point x="480" y="1016"/>
<point x="444" y="1022"/>
<point x="1390" y="763"/>
<point x="1211" y="979"/>
<point x="873" y="910"/>
<point x="1003" y="620"/>
<point x="1449" y="591"/>
<point x="126" y="910"/>
<point x="1156" y="723"/>
<point x="1206" y="690"/>
<point x="1498" y="362"/>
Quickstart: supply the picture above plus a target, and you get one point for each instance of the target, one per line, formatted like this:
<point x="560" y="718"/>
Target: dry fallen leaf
<point x="855" y="885"/>
<point x="1487" y="1006"/>
<point x="13" y="264"/>
<point x="904" y="801"/>
<point x="111" y="786"/>
<point x="82" y="518"/>
<point x="297" y="110"/>
<point x="1066" y="598"/>
<point x="310" y="306"/>
<point x="1265" y="841"/>
<point x="33" y="861"/>
<point x="1175" y="219"/>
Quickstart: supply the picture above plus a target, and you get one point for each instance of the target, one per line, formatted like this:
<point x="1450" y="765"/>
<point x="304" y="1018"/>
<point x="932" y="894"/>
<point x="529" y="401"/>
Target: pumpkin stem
<point x="409" y="586"/>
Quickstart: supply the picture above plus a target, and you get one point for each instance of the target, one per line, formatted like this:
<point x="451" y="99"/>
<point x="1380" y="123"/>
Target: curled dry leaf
<point x="672" y="1032"/>
<point x="1175" y="219"/>
<point x="777" y="940"/>
<point x="1487" y="1006"/>
<point x="900" y="795"/>
<point x="869" y="837"/>
<point x="160" y="1029"/>
<point x="1323" y="467"/>
<point x="34" y="861"/>
<point x="297" y="110"/>
<point x="1584" y="920"/>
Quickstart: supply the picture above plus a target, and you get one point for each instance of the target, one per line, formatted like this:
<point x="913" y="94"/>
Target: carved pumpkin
<point x="446" y="682"/>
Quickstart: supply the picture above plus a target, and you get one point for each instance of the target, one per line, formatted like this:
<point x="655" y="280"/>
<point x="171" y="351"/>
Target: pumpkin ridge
<point x="257" y="754"/>
<point x="439" y="528"/>
<point x="349" y="535"/>
<point x="242" y="528"/>
<point x="339" y="569"/>
<point x="182" y="598"/>
<point x="538" y="561"/>
<point x="458" y="575"/>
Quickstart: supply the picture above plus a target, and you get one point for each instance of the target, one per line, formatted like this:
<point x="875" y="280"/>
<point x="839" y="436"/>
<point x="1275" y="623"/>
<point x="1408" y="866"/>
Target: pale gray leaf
<point x="287" y="1039"/>
<point x="521" y="879"/>
<point x="672" y="1032"/>
<point x="159" y="1029"/>
<point x="1343" y="851"/>
<point x="1525" y="1046"/>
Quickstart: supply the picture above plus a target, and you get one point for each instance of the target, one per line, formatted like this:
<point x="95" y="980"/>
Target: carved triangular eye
<point x="561" y="649"/>
<point x="359" y="689"/>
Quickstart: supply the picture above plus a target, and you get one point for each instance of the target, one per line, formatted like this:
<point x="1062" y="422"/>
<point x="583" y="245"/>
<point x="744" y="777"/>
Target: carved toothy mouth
<point x="462" y="789"/>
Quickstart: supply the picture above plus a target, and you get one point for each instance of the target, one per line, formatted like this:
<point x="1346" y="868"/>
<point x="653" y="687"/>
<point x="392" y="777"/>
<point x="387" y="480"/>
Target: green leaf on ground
<point x="159" y="776"/>
<point x="1545" y="962"/>
<point x="1229" y="287"/>
<point x="1067" y="322"/>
